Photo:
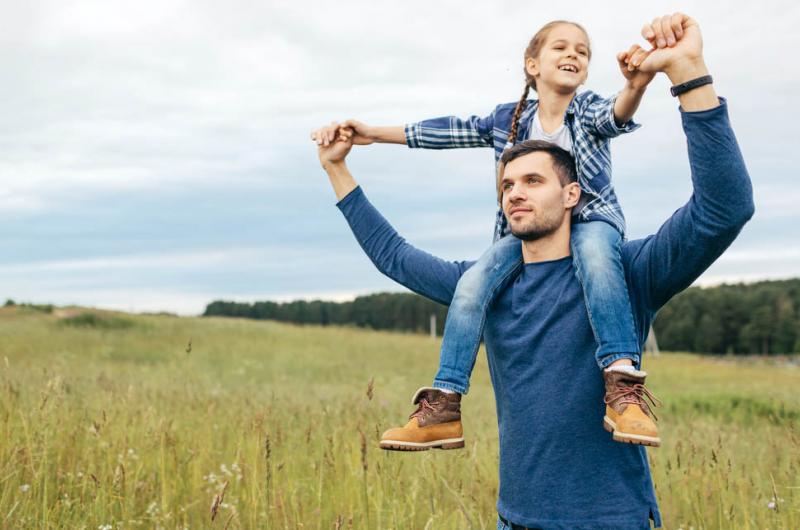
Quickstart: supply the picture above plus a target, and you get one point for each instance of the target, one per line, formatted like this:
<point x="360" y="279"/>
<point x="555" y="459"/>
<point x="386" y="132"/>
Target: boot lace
<point x="636" y="394"/>
<point x="423" y="408"/>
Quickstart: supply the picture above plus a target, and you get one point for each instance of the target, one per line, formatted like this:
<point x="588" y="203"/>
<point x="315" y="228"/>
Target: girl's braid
<point x="512" y="135"/>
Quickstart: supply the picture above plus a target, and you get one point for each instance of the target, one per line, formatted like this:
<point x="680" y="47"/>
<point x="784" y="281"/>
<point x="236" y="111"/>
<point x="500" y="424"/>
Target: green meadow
<point x="111" y="421"/>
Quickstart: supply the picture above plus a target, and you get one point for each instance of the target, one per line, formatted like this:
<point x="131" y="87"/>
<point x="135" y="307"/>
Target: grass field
<point x="117" y="421"/>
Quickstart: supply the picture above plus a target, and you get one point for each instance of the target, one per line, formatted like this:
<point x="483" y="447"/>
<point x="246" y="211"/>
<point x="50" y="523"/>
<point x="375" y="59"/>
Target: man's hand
<point x="335" y="145"/>
<point x="677" y="47"/>
<point x="678" y="52"/>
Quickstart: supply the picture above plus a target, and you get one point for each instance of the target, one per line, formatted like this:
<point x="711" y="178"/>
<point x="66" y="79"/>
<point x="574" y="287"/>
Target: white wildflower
<point x="105" y="527"/>
<point x="152" y="509"/>
<point x="25" y="488"/>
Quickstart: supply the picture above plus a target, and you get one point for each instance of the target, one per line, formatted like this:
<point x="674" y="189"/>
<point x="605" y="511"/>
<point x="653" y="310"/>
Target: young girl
<point x="556" y="65"/>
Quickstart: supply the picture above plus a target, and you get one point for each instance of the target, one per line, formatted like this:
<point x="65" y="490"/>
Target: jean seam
<point x="605" y="361"/>
<point x="446" y="385"/>
<point x="580" y="272"/>
<point x="491" y="294"/>
<point x="495" y="285"/>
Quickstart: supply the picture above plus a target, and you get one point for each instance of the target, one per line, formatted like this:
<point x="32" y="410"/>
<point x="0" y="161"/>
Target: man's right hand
<point x="336" y="145"/>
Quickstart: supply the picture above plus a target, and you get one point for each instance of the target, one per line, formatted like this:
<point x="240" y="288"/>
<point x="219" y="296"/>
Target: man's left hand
<point x="686" y="50"/>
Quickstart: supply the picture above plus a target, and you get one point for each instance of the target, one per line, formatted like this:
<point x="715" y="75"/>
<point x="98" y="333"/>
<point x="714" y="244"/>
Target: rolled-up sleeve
<point x="598" y="118"/>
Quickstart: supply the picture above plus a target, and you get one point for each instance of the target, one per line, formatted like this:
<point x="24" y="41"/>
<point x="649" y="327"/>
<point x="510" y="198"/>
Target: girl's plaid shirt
<point x="590" y="119"/>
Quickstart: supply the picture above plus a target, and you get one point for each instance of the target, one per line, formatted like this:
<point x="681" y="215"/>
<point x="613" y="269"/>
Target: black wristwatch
<point x="677" y="90"/>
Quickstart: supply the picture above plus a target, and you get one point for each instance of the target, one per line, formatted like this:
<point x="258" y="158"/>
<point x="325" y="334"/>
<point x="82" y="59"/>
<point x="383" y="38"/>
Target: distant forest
<point x="758" y="318"/>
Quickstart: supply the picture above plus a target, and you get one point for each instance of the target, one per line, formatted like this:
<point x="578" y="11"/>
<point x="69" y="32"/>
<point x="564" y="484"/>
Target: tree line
<point x="388" y="311"/>
<point x="757" y="318"/>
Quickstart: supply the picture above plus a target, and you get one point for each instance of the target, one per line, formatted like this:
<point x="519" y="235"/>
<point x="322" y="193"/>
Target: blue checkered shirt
<point x="590" y="119"/>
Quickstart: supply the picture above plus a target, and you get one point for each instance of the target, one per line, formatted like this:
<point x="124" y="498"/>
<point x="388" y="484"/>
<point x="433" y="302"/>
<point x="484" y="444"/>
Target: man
<point x="558" y="467"/>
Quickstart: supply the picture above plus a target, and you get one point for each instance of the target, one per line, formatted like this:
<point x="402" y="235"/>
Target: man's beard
<point x="538" y="227"/>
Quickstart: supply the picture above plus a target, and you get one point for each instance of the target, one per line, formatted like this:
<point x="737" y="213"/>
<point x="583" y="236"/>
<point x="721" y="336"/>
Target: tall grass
<point x="125" y="426"/>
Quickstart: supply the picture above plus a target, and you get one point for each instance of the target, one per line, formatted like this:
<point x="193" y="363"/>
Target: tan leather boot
<point x="435" y="423"/>
<point x="628" y="416"/>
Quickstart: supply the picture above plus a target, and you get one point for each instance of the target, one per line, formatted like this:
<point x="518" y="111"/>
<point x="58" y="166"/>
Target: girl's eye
<point x="583" y="52"/>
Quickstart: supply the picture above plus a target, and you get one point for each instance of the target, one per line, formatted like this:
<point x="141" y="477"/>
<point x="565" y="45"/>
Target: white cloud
<point x="104" y="101"/>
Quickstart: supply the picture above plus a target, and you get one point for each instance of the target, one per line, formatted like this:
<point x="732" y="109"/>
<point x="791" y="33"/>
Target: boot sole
<point x="397" y="445"/>
<point x="624" y="437"/>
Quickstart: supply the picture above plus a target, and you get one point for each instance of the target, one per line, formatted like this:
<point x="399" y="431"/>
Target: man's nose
<point x="516" y="194"/>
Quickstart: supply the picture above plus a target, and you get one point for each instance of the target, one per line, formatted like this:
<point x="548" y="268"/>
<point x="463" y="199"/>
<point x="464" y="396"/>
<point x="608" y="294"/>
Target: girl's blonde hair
<point x="532" y="51"/>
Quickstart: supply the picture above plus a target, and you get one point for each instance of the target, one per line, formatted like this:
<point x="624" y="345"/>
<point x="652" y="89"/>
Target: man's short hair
<point x="563" y="162"/>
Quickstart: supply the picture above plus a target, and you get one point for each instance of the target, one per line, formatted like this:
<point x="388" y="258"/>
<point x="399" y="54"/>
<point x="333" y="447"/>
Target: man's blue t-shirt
<point x="559" y="469"/>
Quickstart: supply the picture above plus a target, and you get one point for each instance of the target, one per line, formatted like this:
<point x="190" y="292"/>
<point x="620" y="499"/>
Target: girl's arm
<point x="360" y="133"/>
<point x="364" y="134"/>
<point x="627" y="103"/>
<point x="636" y="82"/>
<point x="448" y="132"/>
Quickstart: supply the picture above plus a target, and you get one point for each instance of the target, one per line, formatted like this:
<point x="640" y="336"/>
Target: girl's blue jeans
<point x="598" y="266"/>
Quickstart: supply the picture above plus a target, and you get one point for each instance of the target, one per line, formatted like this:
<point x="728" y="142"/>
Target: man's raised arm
<point x="421" y="272"/>
<point x="722" y="200"/>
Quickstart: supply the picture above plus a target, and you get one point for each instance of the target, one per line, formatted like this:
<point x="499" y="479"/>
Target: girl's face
<point x="563" y="60"/>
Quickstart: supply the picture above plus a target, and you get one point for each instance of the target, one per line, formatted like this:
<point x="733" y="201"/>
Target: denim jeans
<point x="598" y="266"/>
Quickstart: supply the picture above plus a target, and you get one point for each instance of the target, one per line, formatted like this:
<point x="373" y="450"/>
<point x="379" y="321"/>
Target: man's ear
<point x="571" y="194"/>
<point x="532" y="66"/>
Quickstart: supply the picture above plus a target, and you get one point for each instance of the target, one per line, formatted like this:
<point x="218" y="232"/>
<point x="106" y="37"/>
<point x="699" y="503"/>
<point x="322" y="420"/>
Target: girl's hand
<point x="324" y="136"/>
<point x="360" y="133"/>
<point x="629" y="62"/>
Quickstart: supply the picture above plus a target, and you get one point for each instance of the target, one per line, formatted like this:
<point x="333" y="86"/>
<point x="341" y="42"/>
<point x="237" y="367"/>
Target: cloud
<point x="155" y="147"/>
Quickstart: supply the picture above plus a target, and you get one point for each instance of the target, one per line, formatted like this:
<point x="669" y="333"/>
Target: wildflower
<point x="25" y="488"/>
<point x="105" y="527"/>
<point x="773" y="503"/>
<point x="152" y="509"/>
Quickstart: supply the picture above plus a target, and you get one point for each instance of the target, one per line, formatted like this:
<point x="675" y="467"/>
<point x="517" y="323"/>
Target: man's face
<point x="534" y="201"/>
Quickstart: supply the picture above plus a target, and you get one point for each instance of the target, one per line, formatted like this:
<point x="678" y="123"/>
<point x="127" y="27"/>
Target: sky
<point x="155" y="155"/>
